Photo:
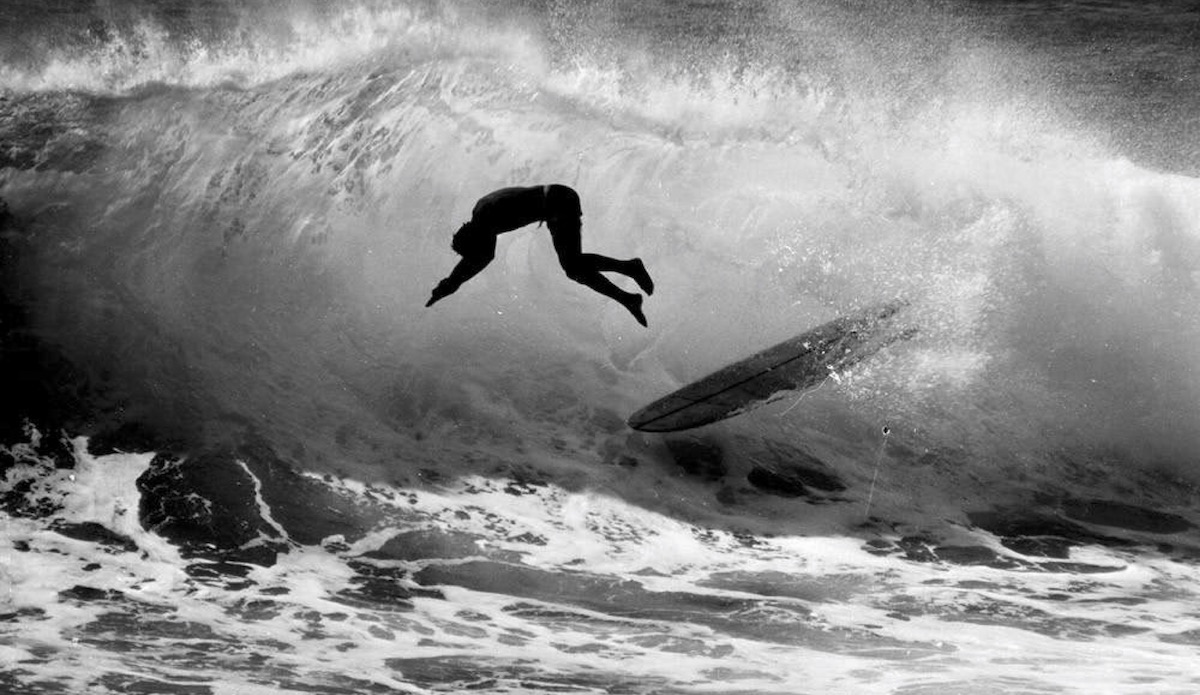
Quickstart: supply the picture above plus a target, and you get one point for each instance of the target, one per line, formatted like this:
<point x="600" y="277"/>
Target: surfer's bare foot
<point x="641" y="277"/>
<point x="634" y="305"/>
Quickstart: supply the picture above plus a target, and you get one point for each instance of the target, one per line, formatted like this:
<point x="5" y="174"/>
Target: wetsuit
<point x="558" y="206"/>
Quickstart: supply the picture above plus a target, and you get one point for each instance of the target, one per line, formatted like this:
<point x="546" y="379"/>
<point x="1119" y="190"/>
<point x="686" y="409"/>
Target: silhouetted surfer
<point x="558" y="206"/>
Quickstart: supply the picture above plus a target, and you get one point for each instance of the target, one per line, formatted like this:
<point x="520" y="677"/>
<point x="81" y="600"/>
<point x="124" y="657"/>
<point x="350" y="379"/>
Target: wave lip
<point x="233" y="45"/>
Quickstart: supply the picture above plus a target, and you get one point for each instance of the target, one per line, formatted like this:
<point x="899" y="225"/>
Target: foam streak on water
<point x="577" y="590"/>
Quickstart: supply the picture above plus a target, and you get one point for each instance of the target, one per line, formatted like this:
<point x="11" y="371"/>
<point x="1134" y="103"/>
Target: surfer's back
<point x="510" y="208"/>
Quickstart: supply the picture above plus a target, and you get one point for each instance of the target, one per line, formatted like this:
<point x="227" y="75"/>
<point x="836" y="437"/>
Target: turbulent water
<point x="242" y="457"/>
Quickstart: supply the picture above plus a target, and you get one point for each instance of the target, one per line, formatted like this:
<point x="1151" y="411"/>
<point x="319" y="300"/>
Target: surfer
<point x="558" y="206"/>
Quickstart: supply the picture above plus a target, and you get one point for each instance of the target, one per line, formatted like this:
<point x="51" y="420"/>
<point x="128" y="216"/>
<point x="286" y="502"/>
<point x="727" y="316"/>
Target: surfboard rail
<point x="795" y="364"/>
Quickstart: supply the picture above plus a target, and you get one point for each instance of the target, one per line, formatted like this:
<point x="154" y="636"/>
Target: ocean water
<point x="240" y="457"/>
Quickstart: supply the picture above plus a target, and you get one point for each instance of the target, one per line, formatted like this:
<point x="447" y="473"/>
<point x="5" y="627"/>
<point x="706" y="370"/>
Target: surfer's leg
<point x="585" y="268"/>
<point x="563" y="217"/>
<point x="579" y="270"/>
<point x="633" y="268"/>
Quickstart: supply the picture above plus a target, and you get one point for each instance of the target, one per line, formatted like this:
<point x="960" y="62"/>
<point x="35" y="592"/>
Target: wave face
<point x="237" y="225"/>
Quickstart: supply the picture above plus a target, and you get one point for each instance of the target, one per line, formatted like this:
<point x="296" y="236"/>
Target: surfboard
<point x="796" y="364"/>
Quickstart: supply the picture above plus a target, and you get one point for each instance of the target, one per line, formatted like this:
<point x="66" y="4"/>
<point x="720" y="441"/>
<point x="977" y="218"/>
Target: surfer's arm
<point x="466" y="269"/>
<point x="440" y="292"/>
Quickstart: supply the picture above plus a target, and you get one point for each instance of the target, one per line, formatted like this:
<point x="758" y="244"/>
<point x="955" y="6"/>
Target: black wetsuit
<point x="512" y="208"/>
<point x="558" y="206"/>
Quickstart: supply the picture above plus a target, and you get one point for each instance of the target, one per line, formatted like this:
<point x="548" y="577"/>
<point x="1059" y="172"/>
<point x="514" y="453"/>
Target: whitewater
<point x="240" y="456"/>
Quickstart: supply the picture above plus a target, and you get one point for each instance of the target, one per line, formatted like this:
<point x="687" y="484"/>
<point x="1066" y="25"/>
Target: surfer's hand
<point x="439" y="293"/>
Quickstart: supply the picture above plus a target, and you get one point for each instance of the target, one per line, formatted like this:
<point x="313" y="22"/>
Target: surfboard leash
<point x="800" y="397"/>
<point x="875" y="476"/>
